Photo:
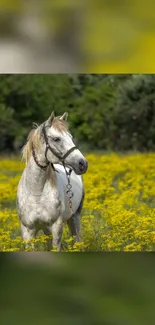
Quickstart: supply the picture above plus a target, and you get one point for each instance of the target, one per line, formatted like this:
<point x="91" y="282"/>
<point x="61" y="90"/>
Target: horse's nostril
<point x="81" y="164"/>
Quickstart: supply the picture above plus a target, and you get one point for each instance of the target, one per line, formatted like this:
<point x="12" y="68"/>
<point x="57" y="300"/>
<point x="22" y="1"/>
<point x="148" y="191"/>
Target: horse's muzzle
<point x="83" y="165"/>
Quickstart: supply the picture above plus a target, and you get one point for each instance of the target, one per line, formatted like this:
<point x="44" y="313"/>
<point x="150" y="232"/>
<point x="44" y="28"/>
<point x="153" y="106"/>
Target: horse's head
<point x="59" y="147"/>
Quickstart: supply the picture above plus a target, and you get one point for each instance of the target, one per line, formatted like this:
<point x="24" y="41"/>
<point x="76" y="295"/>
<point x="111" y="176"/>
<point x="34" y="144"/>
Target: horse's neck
<point x="36" y="177"/>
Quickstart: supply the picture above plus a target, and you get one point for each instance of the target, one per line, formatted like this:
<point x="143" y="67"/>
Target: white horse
<point x="42" y="201"/>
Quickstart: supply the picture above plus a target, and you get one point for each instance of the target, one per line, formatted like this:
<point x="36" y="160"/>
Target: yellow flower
<point x="118" y="212"/>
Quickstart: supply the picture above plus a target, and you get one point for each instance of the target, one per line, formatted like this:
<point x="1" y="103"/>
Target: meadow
<point x="118" y="212"/>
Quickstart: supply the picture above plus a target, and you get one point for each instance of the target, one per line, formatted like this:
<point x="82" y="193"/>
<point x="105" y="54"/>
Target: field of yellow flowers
<point x="118" y="212"/>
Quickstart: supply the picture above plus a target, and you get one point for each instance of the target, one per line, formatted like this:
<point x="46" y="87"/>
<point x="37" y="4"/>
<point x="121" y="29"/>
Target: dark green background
<point x="106" y="112"/>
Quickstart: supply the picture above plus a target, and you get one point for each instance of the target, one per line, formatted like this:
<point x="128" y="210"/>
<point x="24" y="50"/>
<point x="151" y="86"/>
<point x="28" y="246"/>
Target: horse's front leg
<point x="47" y="232"/>
<point x="27" y="234"/>
<point x="56" y="230"/>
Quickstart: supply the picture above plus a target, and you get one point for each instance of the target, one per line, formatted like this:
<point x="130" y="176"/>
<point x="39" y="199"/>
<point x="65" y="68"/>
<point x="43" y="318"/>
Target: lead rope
<point x="69" y="192"/>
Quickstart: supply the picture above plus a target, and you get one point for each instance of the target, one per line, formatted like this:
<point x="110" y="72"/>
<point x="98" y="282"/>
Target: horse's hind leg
<point x="74" y="226"/>
<point x="75" y="220"/>
<point x="27" y="234"/>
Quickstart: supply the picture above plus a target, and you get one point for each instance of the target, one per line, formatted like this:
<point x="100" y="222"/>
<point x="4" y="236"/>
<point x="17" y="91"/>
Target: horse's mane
<point x="35" y="134"/>
<point x="33" y="138"/>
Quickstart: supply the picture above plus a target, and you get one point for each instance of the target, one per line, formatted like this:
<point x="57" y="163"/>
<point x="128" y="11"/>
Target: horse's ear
<point x="64" y="117"/>
<point x="50" y="119"/>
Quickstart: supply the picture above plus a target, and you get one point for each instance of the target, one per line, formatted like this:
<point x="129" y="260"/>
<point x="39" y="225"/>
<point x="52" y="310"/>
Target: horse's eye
<point x="56" y="139"/>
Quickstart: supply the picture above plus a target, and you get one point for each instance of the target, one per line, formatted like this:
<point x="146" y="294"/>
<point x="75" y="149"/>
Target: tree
<point x="135" y="114"/>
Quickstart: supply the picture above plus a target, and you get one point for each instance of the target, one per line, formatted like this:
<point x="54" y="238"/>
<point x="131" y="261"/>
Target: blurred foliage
<point x="96" y="36"/>
<point x="86" y="289"/>
<point x="8" y="5"/>
<point x="109" y="36"/>
<point x="105" y="111"/>
<point x="118" y="36"/>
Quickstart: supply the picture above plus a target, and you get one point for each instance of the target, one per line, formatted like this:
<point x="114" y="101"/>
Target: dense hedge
<point x="114" y="112"/>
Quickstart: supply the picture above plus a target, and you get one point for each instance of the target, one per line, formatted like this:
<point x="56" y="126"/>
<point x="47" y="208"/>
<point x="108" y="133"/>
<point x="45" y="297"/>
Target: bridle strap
<point x="36" y="160"/>
<point x="68" y="153"/>
<point x="48" y="147"/>
<point x="69" y="192"/>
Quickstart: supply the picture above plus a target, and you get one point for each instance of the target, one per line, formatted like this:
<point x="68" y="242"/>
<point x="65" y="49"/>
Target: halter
<point x="48" y="147"/>
<point x="61" y="158"/>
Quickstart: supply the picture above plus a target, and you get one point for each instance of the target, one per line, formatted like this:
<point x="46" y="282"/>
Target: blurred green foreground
<point x="77" y="289"/>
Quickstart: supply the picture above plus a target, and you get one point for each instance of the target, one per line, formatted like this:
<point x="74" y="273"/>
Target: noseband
<point x="48" y="147"/>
